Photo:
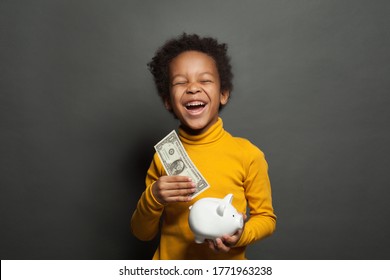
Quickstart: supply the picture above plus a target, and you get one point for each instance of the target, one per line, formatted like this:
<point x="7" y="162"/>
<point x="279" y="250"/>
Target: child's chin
<point x="196" y="128"/>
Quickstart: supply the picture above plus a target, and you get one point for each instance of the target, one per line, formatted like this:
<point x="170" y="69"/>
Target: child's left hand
<point x="223" y="244"/>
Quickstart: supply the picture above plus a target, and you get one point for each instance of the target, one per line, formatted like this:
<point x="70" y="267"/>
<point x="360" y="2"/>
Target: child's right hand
<point x="169" y="189"/>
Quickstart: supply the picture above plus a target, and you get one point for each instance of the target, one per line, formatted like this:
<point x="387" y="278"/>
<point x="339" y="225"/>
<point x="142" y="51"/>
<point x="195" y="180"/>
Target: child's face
<point x="195" y="91"/>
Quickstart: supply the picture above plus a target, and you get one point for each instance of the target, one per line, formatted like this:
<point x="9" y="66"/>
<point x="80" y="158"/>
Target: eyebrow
<point x="200" y="74"/>
<point x="177" y="76"/>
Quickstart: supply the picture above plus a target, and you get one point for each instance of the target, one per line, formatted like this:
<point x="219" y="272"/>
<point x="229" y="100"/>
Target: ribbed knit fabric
<point x="230" y="165"/>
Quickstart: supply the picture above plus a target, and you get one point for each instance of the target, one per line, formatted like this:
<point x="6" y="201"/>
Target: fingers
<point x="177" y="195"/>
<point x="174" y="186"/>
<point x="168" y="189"/>
<point x="175" y="179"/>
<point x="225" y="243"/>
<point x="231" y="240"/>
<point x="218" y="246"/>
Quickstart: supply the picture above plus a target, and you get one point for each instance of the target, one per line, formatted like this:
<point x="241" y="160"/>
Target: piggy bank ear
<point x="224" y="202"/>
<point x="221" y="209"/>
<point x="228" y="199"/>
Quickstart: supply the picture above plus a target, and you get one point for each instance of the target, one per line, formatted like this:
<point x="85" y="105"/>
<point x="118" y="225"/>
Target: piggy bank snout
<point x="239" y="220"/>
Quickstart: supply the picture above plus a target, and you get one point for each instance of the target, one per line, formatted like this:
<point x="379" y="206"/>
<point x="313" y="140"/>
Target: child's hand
<point x="169" y="189"/>
<point x="223" y="244"/>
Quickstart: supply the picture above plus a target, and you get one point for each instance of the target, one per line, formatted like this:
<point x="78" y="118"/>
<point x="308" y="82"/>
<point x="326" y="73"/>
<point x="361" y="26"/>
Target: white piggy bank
<point x="211" y="218"/>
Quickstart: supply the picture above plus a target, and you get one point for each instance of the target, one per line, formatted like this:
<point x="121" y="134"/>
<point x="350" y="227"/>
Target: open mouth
<point x="195" y="106"/>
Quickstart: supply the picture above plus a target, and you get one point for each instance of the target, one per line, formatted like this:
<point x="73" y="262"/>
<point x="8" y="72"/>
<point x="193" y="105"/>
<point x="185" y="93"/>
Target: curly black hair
<point x="159" y="66"/>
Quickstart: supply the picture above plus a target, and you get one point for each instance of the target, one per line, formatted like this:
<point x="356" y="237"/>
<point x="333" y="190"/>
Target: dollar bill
<point x="177" y="162"/>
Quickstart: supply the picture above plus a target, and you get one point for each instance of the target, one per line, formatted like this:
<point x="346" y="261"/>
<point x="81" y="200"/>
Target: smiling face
<point x="195" y="91"/>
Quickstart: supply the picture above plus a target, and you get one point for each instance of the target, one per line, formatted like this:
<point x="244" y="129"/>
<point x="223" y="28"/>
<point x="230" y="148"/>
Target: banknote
<point x="177" y="162"/>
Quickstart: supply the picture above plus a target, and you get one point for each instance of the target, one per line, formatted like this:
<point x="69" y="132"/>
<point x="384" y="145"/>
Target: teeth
<point x="195" y="104"/>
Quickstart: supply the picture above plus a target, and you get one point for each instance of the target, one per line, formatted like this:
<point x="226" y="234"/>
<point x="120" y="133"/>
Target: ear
<point x="228" y="199"/>
<point x="221" y="208"/>
<point x="167" y="103"/>
<point x="224" y="97"/>
<point x="224" y="202"/>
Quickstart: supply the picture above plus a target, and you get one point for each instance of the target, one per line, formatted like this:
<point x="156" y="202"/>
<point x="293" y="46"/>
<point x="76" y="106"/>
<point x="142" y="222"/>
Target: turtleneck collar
<point x="214" y="133"/>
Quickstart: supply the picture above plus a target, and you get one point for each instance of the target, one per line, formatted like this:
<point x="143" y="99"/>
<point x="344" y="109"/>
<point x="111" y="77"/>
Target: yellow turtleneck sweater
<point x="230" y="165"/>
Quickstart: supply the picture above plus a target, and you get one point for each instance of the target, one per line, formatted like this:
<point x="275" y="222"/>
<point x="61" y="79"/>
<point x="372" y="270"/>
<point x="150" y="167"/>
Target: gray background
<point x="79" y="116"/>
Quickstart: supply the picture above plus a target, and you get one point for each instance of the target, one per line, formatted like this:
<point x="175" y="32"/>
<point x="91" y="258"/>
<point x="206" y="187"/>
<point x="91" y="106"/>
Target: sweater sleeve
<point x="262" y="220"/>
<point x="146" y="217"/>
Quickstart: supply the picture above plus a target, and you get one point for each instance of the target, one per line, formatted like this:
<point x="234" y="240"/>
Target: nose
<point x="193" y="88"/>
<point x="241" y="221"/>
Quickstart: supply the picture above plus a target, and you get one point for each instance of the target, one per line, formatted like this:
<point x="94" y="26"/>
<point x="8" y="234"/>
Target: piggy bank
<point x="211" y="218"/>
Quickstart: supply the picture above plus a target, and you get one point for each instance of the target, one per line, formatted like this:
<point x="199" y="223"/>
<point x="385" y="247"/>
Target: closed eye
<point x="179" y="83"/>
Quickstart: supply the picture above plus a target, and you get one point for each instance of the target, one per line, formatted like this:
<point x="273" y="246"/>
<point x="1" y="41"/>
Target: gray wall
<point x="79" y="117"/>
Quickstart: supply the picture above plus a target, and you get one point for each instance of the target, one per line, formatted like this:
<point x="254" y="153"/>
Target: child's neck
<point x="195" y="132"/>
<point x="191" y="131"/>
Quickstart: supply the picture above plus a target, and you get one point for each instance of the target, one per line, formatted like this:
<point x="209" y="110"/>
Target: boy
<point x="194" y="79"/>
